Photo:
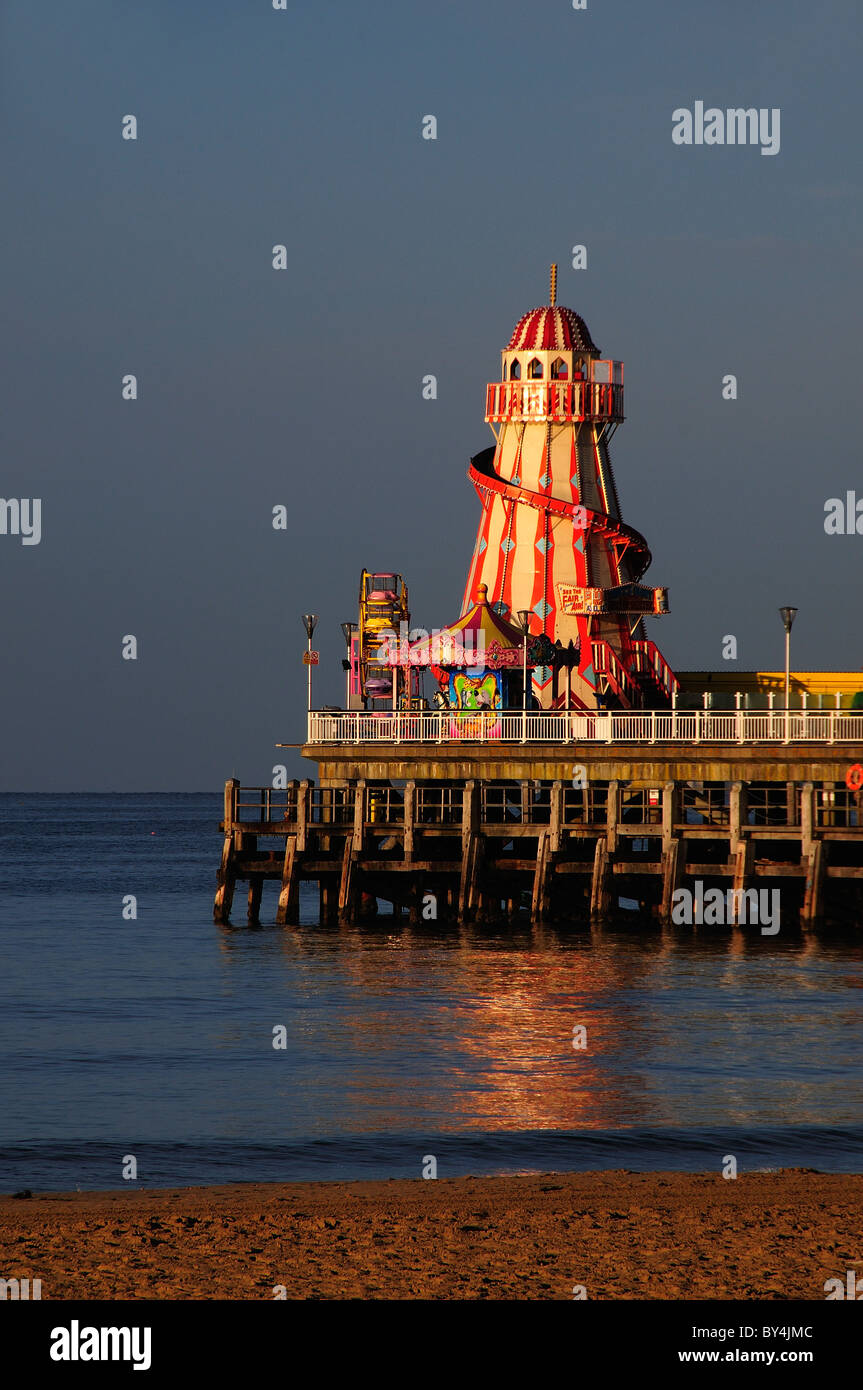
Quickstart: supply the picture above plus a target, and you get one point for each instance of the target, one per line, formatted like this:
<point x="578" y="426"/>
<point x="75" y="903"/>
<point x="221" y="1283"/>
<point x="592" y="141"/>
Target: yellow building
<point x="820" y="687"/>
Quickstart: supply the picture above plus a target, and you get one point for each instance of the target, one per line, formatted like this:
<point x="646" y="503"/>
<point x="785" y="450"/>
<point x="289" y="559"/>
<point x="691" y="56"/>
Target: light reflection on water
<point x="159" y="1031"/>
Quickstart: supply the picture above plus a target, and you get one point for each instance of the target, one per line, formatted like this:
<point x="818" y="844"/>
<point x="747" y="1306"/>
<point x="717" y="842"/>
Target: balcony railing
<point x="579" y="726"/>
<point x="553" y="400"/>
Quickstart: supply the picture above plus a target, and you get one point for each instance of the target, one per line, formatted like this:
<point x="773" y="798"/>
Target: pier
<point x="557" y="768"/>
<point x="487" y="832"/>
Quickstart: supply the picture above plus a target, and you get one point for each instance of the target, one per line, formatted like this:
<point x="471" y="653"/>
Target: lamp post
<point x="524" y="619"/>
<point x="787" y="615"/>
<point x="310" y="622"/>
<point x="347" y="633"/>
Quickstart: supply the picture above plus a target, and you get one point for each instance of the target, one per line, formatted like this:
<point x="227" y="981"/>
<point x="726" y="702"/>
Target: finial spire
<point x="553" y="284"/>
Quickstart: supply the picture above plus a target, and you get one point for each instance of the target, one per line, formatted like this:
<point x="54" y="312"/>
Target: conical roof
<point x="481" y="619"/>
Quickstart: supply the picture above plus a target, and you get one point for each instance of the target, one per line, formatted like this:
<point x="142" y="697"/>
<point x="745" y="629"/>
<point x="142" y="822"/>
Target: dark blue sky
<point x="405" y="257"/>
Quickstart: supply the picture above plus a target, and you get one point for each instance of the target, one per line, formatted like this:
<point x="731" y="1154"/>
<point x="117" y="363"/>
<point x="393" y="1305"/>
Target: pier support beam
<point x="226" y="877"/>
<point x="540" y="898"/>
<point x="302" y="815"/>
<point x="409" y="804"/>
<point x="737" y="816"/>
<point x="346" y="895"/>
<point x="226" y="880"/>
<point x="612" y="816"/>
<point x="600" y="886"/>
<point x="556" y="817"/>
<point x="469" y="851"/>
<point x="256" y="888"/>
<point x="807" y="819"/>
<point x="670" y="813"/>
<point x="328" y="897"/>
<point x="359" y="818"/>
<point x="288" y="911"/>
<point x="673" y="865"/>
<point x="814" y="890"/>
<point x="743" y="863"/>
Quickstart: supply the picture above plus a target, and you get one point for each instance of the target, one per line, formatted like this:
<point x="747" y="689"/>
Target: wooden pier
<point x="544" y="849"/>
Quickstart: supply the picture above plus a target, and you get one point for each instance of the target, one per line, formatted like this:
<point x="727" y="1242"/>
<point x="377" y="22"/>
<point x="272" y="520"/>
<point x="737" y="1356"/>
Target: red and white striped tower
<point x="551" y="540"/>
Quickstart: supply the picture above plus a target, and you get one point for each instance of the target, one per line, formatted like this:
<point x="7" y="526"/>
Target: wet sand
<point x="620" y="1235"/>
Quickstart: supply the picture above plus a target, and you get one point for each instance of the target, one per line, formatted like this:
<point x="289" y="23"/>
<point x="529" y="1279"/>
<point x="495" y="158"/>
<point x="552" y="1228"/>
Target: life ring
<point x="854" y="777"/>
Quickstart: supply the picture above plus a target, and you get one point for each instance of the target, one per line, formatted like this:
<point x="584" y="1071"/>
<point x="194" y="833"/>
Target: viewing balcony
<point x="598" y="399"/>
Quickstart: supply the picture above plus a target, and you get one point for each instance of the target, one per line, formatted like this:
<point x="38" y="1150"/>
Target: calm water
<point x="154" y="1037"/>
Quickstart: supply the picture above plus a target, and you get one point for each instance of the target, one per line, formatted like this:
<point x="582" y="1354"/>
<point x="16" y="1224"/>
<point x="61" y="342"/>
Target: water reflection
<point x="469" y="1028"/>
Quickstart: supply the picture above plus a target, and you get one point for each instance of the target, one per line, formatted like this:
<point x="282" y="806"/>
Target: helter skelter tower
<point x="551" y="541"/>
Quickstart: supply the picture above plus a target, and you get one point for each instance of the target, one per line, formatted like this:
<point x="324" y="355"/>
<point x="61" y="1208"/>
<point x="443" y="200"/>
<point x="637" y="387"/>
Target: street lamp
<point x="347" y="633"/>
<point x="787" y="615"/>
<point x="310" y="622"/>
<point x="524" y="619"/>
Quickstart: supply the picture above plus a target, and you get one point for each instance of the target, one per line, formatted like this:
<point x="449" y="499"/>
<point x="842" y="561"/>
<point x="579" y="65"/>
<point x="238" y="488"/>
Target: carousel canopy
<point x="480" y="638"/>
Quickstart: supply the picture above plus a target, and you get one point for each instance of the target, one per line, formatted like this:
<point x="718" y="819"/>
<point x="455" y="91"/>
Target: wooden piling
<point x="345" y="884"/>
<point x="256" y="888"/>
<point x="540" y="897"/>
<point x="814" y="888"/>
<point x="287" y="913"/>
<point x="226" y="881"/>
<point x="743" y="861"/>
<point x="302" y="815"/>
<point x="612" y="817"/>
<point x="737" y="814"/>
<point x="600" y="895"/>
<point x="226" y="878"/>
<point x="408" y="813"/>
<point x="673" y="862"/>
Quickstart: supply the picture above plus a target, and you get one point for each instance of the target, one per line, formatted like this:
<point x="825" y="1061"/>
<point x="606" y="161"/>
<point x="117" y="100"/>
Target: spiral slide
<point x="486" y="481"/>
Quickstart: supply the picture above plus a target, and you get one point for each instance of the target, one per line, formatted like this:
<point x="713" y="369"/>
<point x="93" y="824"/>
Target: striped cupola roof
<point x="550" y="327"/>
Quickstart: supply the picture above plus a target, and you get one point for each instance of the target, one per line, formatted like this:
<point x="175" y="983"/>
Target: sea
<point x="144" y="1046"/>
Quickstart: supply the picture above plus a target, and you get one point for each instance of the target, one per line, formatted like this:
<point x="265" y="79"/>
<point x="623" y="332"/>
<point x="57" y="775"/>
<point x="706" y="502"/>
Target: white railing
<point x="558" y="726"/>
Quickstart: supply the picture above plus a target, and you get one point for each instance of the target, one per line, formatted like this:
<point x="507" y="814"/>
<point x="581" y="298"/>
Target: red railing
<point x="606" y="663"/>
<point x="650" y="661"/>
<point x="554" y="400"/>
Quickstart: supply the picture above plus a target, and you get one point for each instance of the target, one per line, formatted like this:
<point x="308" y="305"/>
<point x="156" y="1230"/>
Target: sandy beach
<point x="620" y="1235"/>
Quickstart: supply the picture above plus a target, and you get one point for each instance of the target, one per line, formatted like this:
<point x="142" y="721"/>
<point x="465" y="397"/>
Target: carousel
<point x="483" y="665"/>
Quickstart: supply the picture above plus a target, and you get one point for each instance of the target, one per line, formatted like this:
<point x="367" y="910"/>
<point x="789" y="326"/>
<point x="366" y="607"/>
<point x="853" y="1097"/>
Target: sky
<point x="303" y="387"/>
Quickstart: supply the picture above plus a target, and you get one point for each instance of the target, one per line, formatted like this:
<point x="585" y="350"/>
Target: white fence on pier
<point x="602" y="726"/>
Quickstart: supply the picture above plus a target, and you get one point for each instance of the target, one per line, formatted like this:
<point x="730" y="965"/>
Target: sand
<point x="620" y="1235"/>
